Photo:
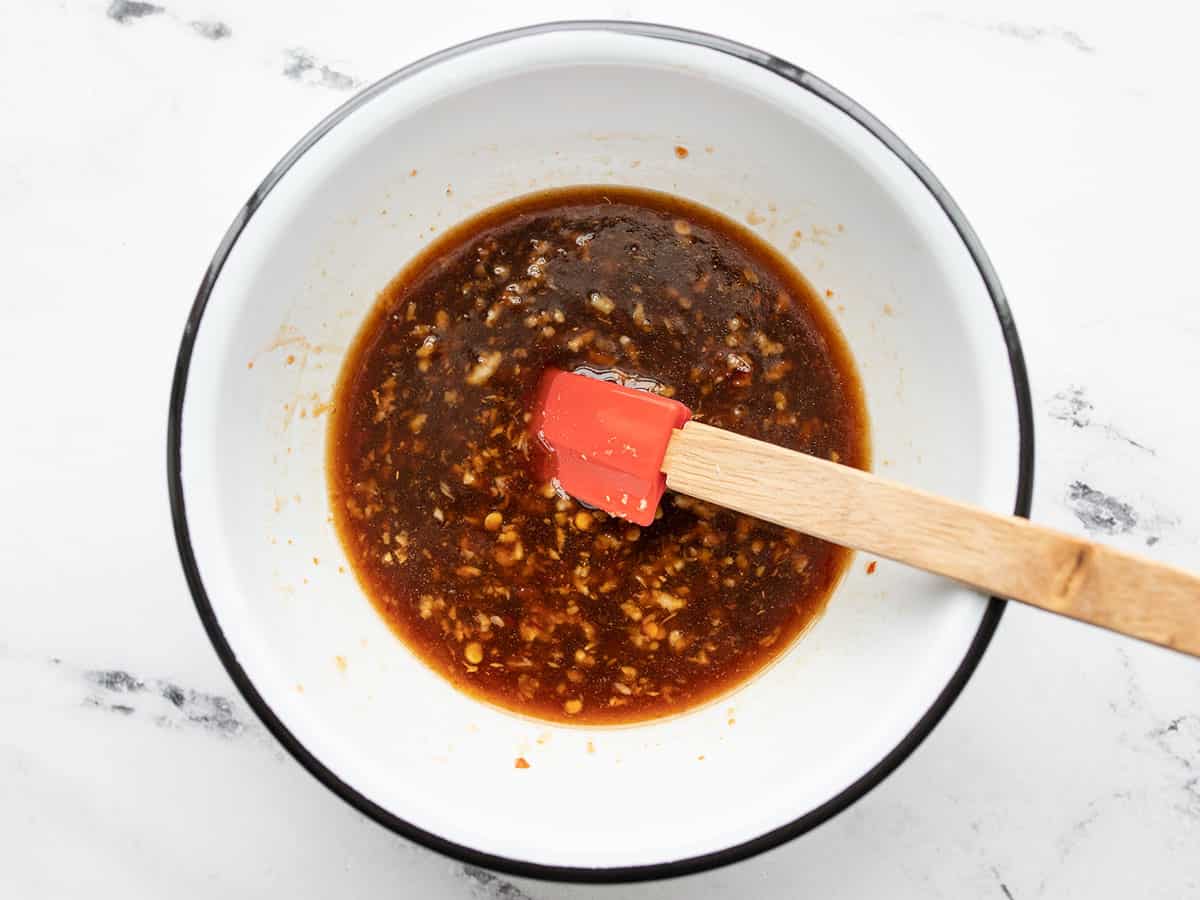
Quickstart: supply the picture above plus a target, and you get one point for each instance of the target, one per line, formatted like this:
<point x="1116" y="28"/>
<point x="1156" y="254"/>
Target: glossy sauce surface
<point x="521" y="596"/>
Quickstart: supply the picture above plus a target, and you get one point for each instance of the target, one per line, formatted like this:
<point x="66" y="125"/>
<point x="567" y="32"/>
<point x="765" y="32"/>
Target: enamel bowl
<point x="584" y="103"/>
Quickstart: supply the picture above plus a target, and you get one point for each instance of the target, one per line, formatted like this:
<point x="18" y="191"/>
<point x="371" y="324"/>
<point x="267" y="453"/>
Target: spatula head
<point x="605" y="443"/>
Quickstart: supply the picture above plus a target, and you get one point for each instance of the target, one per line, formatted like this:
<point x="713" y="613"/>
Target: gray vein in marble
<point x="1073" y="407"/>
<point x="1037" y="33"/>
<point x="1135" y="697"/>
<point x="1003" y="887"/>
<point x="1082" y="827"/>
<point x="1102" y="513"/>
<point x="114" y="708"/>
<point x="299" y="65"/>
<point x="210" y="711"/>
<point x="1098" y="511"/>
<point x="493" y="886"/>
<point x="1191" y="787"/>
<point x="125" y="11"/>
<point x="183" y="707"/>
<point x="1179" y="740"/>
<point x="1066" y="843"/>
<point x="1030" y="34"/>
<point x="114" y="680"/>
<point x="211" y="29"/>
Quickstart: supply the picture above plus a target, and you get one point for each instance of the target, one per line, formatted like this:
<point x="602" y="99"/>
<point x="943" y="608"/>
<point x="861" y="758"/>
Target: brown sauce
<point x="514" y="593"/>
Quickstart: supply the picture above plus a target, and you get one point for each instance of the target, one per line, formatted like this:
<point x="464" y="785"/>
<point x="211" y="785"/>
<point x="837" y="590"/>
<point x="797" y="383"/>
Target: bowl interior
<point x="448" y="140"/>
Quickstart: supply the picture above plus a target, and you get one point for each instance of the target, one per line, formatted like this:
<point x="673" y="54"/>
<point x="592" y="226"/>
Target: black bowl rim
<point x="617" y="874"/>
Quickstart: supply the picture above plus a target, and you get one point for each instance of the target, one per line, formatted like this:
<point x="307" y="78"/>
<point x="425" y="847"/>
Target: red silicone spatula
<point x="619" y="449"/>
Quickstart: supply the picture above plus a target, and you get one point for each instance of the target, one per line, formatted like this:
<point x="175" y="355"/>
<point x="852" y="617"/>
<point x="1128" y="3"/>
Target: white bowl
<point x="582" y="103"/>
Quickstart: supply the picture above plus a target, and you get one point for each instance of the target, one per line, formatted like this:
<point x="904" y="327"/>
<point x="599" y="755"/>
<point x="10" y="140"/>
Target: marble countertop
<point x="133" y="131"/>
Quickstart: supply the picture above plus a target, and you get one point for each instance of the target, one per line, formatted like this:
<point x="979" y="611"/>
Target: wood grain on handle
<point x="1002" y="555"/>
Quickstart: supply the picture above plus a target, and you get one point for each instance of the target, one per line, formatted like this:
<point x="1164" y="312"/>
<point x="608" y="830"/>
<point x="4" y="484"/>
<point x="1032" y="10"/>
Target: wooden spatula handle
<point x="1001" y="555"/>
